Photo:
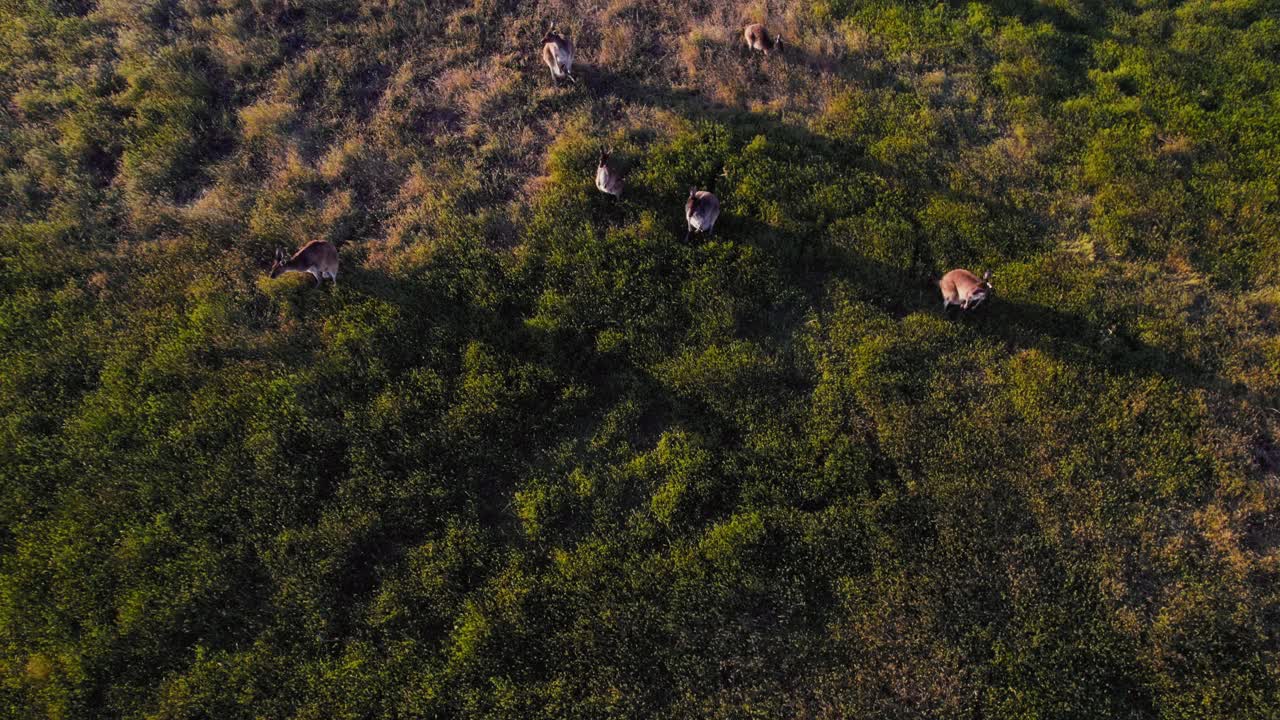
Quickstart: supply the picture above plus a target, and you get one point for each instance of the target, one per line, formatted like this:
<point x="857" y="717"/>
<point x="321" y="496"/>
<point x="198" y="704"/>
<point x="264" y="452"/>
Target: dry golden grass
<point x="342" y="158"/>
<point x="1177" y="145"/>
<point x="337" y="214"/>
<point x="265" y="119"/>
<point x="477" y="90"/>
<point x="39" y="667"/>
<point x="697" y="48"/>
<point x="233" y="47"/>
<point x="213" y="205"/>
<point x="857" y="39"/>
<point x="933" y="83"/>
<point x="618" y="44"/>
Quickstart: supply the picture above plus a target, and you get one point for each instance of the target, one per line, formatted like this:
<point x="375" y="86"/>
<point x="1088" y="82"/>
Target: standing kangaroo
<point x="759" y="38"/>
<point x="607" y="181"/>
<point x="963" y="288"/>
<point x="319" y="258"/>
<point x="557" y="54"/>
<point x="700" y="212"/>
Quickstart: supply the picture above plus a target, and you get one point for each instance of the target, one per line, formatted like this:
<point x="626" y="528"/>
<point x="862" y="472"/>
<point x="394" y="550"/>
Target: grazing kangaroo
<point x="963" y="288"/>
<point x="557" y="54"/>
<point x="700" y="212"/>
<point x="759" y="38"/>
<point x="607" y="180"/>
<point x="319" y="258"/>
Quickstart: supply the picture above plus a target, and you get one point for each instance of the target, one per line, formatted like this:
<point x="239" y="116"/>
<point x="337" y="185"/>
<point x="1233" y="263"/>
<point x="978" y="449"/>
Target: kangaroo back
<point x="963" y="288"/>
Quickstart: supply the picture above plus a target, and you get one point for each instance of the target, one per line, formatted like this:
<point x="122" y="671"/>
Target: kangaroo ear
<point x="986" y="275"/>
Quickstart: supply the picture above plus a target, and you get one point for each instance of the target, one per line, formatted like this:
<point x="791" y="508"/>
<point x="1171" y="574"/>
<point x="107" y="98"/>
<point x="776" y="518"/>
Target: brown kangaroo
<point x="700" y="212"/>
<point x="759" y="38"/>
<point x="963" y="288"/>
<point x="557" y="54"/>
<point x="608" y="181"/>
<point x="319" y="258"/>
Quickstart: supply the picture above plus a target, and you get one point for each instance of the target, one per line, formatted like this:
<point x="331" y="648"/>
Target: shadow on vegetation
<point x="808" y="265"/>
<point x="1021" y="325"/>
<point x="692" y="105"/>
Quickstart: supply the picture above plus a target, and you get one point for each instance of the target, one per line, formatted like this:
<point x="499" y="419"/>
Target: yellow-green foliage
<point x="535" y="455"/>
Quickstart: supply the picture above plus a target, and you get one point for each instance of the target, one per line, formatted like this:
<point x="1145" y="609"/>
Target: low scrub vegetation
<point x="537" y="455"/>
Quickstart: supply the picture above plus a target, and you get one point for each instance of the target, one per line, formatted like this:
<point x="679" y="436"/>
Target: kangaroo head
<point x="982" y="292"/>
<point x="277" y="264"/>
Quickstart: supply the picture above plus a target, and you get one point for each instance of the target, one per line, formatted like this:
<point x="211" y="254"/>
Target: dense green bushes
<point x="535" y="455"/>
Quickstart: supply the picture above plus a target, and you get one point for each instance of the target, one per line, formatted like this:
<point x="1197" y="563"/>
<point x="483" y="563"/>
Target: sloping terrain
<point x="537" y="455"/>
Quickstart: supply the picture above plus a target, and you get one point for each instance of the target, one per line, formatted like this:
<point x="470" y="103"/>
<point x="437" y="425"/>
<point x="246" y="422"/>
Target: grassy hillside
<point x="535" y="455"/>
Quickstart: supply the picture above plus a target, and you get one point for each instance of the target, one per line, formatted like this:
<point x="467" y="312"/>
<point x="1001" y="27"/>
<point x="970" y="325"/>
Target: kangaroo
<point x="319" y="258"/>
<point x="700" y="212"/>
<point x="557" y="54"/>
<point x="759" y="38"/>
<point x="963" y="288"/>
<point x="607" y="180"/>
